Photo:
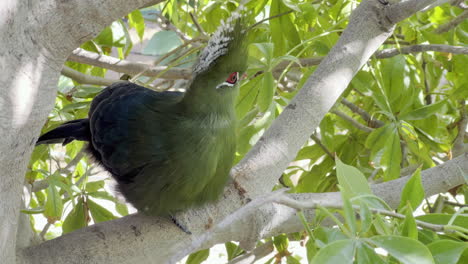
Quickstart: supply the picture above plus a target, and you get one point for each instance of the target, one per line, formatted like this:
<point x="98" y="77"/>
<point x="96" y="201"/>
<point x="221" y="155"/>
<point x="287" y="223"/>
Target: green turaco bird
<point x="168" y="151"/>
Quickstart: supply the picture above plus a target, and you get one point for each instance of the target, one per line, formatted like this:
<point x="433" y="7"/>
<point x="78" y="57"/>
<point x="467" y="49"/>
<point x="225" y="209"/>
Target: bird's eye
<point x="233" y="77"/>
<point x="230" y="81"/>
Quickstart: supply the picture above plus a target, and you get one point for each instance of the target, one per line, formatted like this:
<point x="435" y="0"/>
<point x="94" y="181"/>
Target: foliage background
<point x="400" y="115"/>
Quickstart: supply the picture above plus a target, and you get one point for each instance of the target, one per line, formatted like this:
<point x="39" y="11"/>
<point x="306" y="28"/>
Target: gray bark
<point x="37" y="37"/>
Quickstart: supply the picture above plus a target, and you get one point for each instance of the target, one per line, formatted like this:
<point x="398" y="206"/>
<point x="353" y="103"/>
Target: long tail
<point x="67" y="132"/>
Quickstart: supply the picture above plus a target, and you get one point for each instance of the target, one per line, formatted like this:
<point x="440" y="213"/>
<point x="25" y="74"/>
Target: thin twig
<point x="301" y="205"/>
<point x="352" y="121"/>
<point x="197" y="25"/>
<point x="427" y="89"/>
<point x="374" y="123"/>
<point x="269" y="18"/>
<point x="455" y="22"/>
<point x="169" y="26"/>
<point x="458" y="144"/>
<point x="44" y="230"/>
<point x="319" y="143"/>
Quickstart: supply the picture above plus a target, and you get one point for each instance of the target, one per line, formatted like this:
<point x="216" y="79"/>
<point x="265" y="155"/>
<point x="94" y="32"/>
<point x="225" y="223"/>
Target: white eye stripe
<point x="225" y="84"/>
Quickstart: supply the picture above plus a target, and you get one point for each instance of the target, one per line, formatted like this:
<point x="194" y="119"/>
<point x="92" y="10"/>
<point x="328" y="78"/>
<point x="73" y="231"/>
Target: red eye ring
<point x="232" y="79"/>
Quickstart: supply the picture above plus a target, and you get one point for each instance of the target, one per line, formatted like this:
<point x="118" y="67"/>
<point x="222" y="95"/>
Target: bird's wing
<point x="129" y="125"/>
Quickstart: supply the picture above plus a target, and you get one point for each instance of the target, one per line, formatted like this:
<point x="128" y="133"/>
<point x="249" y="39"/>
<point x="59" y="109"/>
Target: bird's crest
<point x="227" y="40"/>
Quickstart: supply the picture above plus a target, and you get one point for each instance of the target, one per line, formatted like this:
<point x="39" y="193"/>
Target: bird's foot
<point x="179" y="225"/>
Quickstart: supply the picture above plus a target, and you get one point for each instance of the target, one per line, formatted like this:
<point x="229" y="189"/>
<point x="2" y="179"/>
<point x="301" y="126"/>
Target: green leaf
<point x="311" y="248"/>
<point x="283" y="32"/>
<point x="366" y="218"/>
<point x="391" y="157"/>
<point x="112" y="36"/>
<point x="461" y="92"/>
<point x="54" y="204"/>
<point x="281" y="243"/>
<point x="247" y="95"/>
<point x="102" y="194"/>
<point x="413" y="192"/>
<point x="136" y="20"/>
<point x="292" y="260"/>
<point x="262" y="60"/>
<point x="267" y="90"/>
<point x="447" y="251"/>
<point x="381" y="226"/>
<point x="291" y="5"/>
<point x="75" y="106"/>
<point x="351" y="180"/>
<point x="393" y="71"/>
<point x="198" y="257"/>
<point x="341" y="251"/>
<point x="310" y="152"/>
<point x="314" y="180"/>
<point x="378" y="138"/>
<point x="349" y="215"/>
<point x="325" y="235"/>
<point x="99" y="213"/>
<point x="161" y="43"/>
<point x="59" y="182"/>
<point x="409" y="229"/>
<point x="405" y="250"/>
<point x="232" y="250"/>
<point x="76" y="219"/>
<point x="367" y="255"/>
<point x="121" y="208"/>
<point x="94" y="186"/>
<point x="423" y="112"/>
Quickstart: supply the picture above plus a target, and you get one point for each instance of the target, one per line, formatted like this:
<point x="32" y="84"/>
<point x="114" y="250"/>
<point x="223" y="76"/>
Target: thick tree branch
<point x="365" y="33"/>
<point x="257" y="173"/>
<point x="36" y="37"/>
<point x="141" y="233"/>
<point x="400" y="10"/>
<point x="435" y="180"/>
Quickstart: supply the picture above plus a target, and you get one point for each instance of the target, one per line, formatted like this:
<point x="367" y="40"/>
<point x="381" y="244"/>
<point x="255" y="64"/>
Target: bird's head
<point x="224" y="59"/>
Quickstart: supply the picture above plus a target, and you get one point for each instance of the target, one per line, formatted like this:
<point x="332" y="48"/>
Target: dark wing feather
<point x="129" y="125"/>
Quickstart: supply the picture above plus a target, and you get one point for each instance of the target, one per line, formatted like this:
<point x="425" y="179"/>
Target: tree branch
<point x="136" y="68"/>
<point x="85" y="78"/>
<point x="458" y="145"/>
<point x="36" y="38"/>
<point x="290" y="130"/>
<point x="125" y="66"/>
<point x="387" y="53"/>
<point x="264" y="210"/>
<point x="373" y="123"/>
<point x="278" y="146"/>
<point x="455" y="22"/>
<point x="353" y="122"/>
<point x="383" y="54"/>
